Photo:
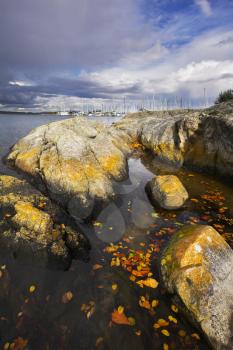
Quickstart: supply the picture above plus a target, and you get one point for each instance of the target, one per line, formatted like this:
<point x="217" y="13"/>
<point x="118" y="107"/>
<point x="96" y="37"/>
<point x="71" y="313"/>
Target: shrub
<point x="224" y="96"/>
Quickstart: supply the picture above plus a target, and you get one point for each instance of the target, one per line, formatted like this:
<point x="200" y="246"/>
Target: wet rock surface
<point x="197" y="268"/>
<point x="167" y="191"/>
<point x="32" y="227"/>
<point x="76" y="161"/>
<point x="202" y="139"/>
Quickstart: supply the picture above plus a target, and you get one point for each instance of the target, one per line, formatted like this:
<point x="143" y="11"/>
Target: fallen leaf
<point x="182" y="333"/>
<point x="154" y="303"/>
<point x="195" y="336"/>
<point x="120" y="309"/>
<point x="97" y="267"/>
<point x="165" y="346"/>
<point x="99" y="341"/>
<point x="138" y="333"/>
<point x="67" y="297"/>
<point x="120" y="318"/>
<point x="165" y="332"/>
<point x="19" y="344"/>
<point x="32" y="289"/>
<point x="174" y="308"/>
<point x="149" y="282"/>
<point x="132" y="321"/>
<point x="172" y="319"/>
<point x="161" y="323"/>
<point x="114" y="286"/>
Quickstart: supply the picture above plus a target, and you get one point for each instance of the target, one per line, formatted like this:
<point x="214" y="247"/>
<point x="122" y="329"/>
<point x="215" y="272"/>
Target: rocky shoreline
<point x="77" y="162"/>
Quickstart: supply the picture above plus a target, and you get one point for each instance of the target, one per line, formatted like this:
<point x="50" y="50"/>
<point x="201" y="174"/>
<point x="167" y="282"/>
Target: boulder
<point x="167" y="191"/>
<point x="75" y="161"/>
<point x="200" y="139"/>
<point x="31" y="227"/>
<point x="197" y="269"/>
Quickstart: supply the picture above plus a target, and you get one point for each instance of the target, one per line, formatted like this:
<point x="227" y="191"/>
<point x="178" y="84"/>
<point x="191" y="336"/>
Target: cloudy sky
<point x="63" y="53"/>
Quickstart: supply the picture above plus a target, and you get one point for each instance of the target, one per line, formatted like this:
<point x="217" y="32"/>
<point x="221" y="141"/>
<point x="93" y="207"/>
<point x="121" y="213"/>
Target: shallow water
<point x="45" y="322"/>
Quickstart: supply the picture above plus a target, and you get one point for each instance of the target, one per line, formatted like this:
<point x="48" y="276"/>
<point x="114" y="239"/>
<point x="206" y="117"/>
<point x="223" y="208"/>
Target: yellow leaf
<point x="114" y="286"/>
<point x="182" y="333"/>
<point x="6" y="346"/>
<point x="172" y="319"/>
<point x="32" y="289"/>
<point x="165" y="346"/>
<point x="154" y="303"/>
<point x="120" y="309"/>
<point x="131" y="321"/>
<point x="174" y="308"/>
<point x="165" y="332"/>
<point x="163" y="262"/>
<point x="162" y="322"/>
<point x="132" y="278"/>
<point x="150" y="282"/>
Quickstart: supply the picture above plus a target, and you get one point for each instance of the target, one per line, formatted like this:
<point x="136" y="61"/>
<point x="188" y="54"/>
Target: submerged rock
<point x="76" y="161"/>
<point x="197" y="268"/>
<point x="167" y="191"/>
<point x="33" y="228"/>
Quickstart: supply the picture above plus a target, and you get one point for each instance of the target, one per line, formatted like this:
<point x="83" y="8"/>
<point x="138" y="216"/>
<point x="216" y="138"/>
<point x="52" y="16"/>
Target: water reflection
<point x="130" y="222"/>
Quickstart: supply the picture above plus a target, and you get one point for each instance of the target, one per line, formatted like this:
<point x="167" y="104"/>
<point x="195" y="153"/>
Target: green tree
<point x="224" y="96"/>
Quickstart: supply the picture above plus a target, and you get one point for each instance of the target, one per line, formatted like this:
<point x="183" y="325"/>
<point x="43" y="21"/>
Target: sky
<point x="61" y="54"/>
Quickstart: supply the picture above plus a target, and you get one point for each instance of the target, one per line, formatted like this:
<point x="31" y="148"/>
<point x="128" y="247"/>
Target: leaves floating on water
<point x="32" y="289"/>
<point x="119" y="318"/>
<point x="165" y="332"/>
<point x="67" y="297"/>
<point x="97" y="267"/>
<point x="174" y="308"/>
<point x="149" y="282"/>
<point x="114" y="286"/>
<point x="88" y="309"/>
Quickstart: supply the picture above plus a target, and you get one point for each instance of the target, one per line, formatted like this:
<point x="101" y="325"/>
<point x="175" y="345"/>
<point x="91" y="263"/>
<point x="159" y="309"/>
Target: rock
<point x="200" y="139"/>
<point x="197" y="268"/>
<point x="75" y="160"/>
<point x="167" y="191"/>
<point x="32" y="228"/>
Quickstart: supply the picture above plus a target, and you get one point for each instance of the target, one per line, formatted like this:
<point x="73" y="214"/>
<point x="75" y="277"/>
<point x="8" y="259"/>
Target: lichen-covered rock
<point x="33" y="228"/>
<point x="202" y="139"/>
<point x="197" y="268"/>
<point x="75" y="160"/>
<point x="167" y="191"/>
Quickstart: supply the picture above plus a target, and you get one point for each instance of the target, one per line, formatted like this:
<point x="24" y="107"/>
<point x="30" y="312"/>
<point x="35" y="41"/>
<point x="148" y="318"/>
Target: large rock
<point x="197" y="268"/>
<point x="33" y="228"/>
<point x="75" y="160"/>
<point x="167" y="191"/>
<point x="202" y="139"/>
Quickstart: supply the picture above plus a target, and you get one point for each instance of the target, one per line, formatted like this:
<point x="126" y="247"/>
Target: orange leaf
<point x="120" y="318"/>
<point x="97" y="267"/>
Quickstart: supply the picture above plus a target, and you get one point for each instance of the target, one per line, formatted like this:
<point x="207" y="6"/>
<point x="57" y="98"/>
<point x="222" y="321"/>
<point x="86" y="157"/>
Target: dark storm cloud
<point x="56" y="33"/>
<point x="41" y="39"/>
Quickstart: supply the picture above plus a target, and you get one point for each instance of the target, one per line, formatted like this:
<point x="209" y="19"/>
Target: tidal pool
<point x="76" y="309"/>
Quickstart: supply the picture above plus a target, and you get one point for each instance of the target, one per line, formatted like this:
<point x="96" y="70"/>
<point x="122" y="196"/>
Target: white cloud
<point x="20" y="83"/>
<point x="186" y="70"/>
<point x="205" y="7"/>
